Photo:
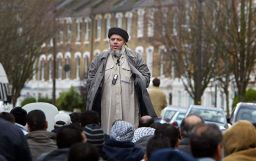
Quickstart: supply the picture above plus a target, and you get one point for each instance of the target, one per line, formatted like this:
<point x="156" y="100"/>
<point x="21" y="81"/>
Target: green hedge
<point x="70" y="100"/>
<point x="250" y="96"/>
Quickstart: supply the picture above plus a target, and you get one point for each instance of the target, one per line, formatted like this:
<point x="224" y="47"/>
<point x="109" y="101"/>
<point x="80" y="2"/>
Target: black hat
<point x="118" y="31"/>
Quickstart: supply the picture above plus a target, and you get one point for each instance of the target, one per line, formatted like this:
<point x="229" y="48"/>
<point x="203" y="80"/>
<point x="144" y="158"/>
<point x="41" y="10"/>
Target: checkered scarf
<point x="122" y="131"/>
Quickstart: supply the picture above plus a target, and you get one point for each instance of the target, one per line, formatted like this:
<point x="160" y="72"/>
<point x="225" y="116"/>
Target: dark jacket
<point x="121" y="151"/>
<point x="13" y="144"/>
<point x="41" y="141"/>
<point x="55" y="155"/>
<point x="184" y="145"/>
<point x="141" y="76"/>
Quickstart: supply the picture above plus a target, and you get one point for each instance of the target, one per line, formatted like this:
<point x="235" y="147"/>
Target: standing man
<point x="157" y="97"/>
<point x="117" y="82"/>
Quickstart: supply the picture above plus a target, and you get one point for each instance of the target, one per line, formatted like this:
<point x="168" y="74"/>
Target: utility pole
<point x="54" y="72"/>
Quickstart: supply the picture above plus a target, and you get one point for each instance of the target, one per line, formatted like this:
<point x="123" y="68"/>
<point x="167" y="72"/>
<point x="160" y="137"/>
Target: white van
<point x="5" y="92"/>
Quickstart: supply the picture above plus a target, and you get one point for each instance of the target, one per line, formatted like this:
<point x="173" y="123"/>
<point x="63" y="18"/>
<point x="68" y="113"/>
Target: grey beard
<point x="116" y="53"/>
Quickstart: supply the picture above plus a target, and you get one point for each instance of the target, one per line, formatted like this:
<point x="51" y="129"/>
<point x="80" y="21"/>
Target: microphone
<point x="118" y="62"/>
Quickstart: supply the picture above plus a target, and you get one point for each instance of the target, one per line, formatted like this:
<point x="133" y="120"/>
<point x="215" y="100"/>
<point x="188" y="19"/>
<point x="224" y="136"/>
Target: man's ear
<point x="145" y="157"/>
<point x="46" y="124"/>
<point x="219" y="153"/>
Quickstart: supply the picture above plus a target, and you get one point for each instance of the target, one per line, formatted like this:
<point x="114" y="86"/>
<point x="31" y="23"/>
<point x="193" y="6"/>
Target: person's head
<point x="155" y="143"/>
<point x="206" y="141"/>
<point x="188" y="123"/>
<point x="145" y="121"/>
<point x="238" y="137"/>
<point x="156" y="82"/>
<point x="69" y="135"/>
<point x="122" y="131"/>
<point x="117" y="38"/>
<point x="89" y="117"/>
<point x="20" y="115"/>
<point x="61" y="119"/>
<point x="75" y="118"/>
<point x="142" y="132"/>
<point x="94" y="134"/>
<point x="36" y="120"/>
<point x="7" y="116"/>
<point x="82" y="152"/>
<point x="169" y="131"/>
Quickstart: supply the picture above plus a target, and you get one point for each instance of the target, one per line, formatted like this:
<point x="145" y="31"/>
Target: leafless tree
<point x="185" y="33"/>
<point x="25" y="26"/>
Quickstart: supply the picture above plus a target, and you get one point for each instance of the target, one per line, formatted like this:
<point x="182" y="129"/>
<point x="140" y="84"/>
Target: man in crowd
<point x="157" y="97"/>
<point x="206" y="142"/>
<point x="187" y="124"/>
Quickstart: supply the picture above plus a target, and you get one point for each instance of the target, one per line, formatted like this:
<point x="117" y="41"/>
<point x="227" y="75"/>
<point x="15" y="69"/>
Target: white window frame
<point x="150" y="55"/>
<point x="162" y="51"/>
<point x="98" y="29"/>
<point x="78" y="59"/>
<point x="119" y="20"/>
<point x="128" y="16"/>
<point x="87" y="35"/>
<point x="151" y="22"/>
<point x="50" y="63"/>
<point x="108" y="24"/>
<point x="59" y="58"/>
<point x="69" y="29"/>
<point x="140" y="23"/>
<point x="86" y="57"/>
<point x="78" y="30"/>
<point x="68" y="61"/>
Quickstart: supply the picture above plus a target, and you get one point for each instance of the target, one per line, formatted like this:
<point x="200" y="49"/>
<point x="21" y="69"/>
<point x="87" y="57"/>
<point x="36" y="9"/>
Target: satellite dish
<point x="49" y="110"/>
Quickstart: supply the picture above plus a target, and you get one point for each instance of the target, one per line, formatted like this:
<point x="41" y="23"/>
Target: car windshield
<point x="247" y="113"/>
<point x="180" y="116"/>
<point x="210" y="115"/>
<point x="169" y="114"/>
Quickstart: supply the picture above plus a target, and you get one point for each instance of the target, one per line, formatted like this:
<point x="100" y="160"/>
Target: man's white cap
<point x="62" y="116"/>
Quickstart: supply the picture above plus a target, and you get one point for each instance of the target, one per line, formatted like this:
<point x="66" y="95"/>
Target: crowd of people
<point x="79" y="137"/>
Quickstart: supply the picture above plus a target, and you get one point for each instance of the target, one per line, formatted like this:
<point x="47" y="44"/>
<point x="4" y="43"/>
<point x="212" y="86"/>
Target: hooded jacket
<point x="141" y="76"/>
<point x="121" y="151"/>
<point x="41" y="141"/>
<point x="240" y="142"/>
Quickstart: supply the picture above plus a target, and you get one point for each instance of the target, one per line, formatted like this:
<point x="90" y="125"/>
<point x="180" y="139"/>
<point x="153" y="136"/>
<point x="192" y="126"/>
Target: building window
<point x="150" y="51"/>
<point x="140" y="28"/>
<point x="50" y="64"/>
<point x="78" y="30"/>
<point x="78" y="58"/>
<point x="119" y="18"/>
<point x="86" y="57"/>
<point x="67" y="65"/>
<point x="164" y="20"/>
<point x="162" y="62"/>
<point x="61" y="37"/>
<point x="69" y="30"/>
<point x="128" y="15"/>
<point x="87" y="30"/>
<point x="99" y="24"/>
<point x="108" y="24"/>
<point x="59" y="65"/>
<point x="42" y="67"/>
<point x="150" y="17"/>
<point x="175" y="23"/>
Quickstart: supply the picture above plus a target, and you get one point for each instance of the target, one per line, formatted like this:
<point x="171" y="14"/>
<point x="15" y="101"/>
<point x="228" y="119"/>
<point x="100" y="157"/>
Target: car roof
<point x="176" y="108"/>
<point x="206" y="107"/>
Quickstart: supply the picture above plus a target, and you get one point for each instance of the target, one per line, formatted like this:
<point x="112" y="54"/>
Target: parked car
<point x="213" y="115"/>
<point x="244" y="111"/>
<point x="173" y="114"/>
